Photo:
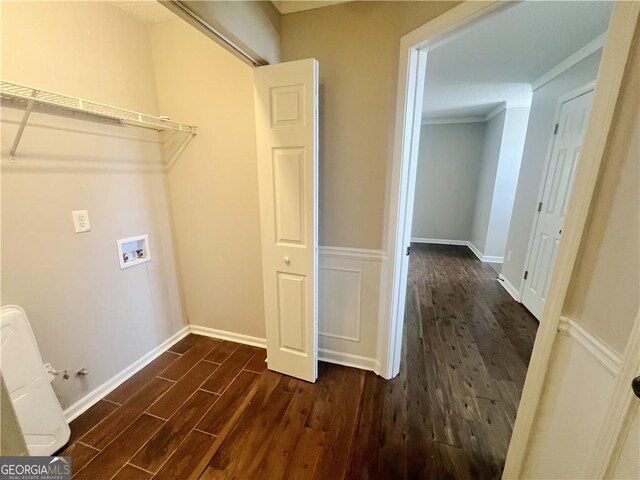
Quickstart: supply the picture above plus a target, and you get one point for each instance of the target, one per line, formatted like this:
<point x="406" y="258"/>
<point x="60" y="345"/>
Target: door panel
<point x="558" y="180"/>
<point x="286" y="98"/>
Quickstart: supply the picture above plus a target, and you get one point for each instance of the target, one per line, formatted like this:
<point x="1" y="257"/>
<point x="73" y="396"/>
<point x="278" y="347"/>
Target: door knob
<point x="286" y="260"/>
<point x="635" y="385"/>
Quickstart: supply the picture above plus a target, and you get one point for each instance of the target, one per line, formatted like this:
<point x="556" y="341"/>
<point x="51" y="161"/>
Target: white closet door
<point x="558" y="180"/>
<point x="286" y="97"/>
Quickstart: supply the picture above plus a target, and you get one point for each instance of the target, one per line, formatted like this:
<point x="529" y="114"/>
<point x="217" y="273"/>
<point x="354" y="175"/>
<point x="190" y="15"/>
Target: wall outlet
<point x="81" y="221"/>
<point x="509" y="256"/>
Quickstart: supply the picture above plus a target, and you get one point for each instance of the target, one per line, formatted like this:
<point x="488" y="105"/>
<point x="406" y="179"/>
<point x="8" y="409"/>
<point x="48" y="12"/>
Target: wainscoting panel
<point x="349" y="287"/>
<point x="579" y="388"/>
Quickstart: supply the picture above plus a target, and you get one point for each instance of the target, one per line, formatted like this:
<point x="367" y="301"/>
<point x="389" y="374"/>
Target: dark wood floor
<point x="209" y="409"/>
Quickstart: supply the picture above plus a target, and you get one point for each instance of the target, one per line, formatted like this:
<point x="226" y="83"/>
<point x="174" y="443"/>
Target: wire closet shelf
<point x="30" y="97"/>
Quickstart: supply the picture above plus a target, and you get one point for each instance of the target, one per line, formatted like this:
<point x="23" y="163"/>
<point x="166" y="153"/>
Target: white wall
<point x="506" y="181"/>
<point x="487" y="180"/>
<point x="501" y="156"/>
<point x="85" y="311"/>
<point x="449" y="160"/>
<point x="543" y="106"/>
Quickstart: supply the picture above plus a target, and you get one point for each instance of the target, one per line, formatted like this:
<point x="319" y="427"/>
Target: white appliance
<point x="39" y="413"/>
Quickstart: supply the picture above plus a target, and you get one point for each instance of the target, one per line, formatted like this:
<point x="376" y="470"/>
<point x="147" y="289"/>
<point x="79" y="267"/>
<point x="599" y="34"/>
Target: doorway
<point x="415" y="48"/>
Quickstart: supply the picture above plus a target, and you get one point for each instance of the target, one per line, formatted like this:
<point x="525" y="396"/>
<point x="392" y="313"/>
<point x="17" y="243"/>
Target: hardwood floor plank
<point x="185" y="344"/>
<point x="124" y="415"/>
<point x="252" y="432"/>
<point x="258" y="362"/>
<point x="134" y="384"/>
<point x="187" y="361"/>
<point x="287" y="434"/>
<point x="219" y="415"/>
<point x="231" y="367"/>
<point x="185" y="460"/>
<point x="90" y="418"/>
<point x="222" y="351"/>
<point x="129" y="472"/>
<point x="165" y="441"/>
<point x="80" y="455"/>
<point x="304" y="459"/>
<point x="115" y="455"/>
<point x="419" y="419"/>
<point x="363" y="461"/>
<point x="178" y="394"/>
<point x="339" y="431"/>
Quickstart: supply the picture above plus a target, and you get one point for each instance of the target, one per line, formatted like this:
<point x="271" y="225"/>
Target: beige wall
<point x="357" y="45"/>
<point x="214" y="184"/>
<point x="85" y="311"/>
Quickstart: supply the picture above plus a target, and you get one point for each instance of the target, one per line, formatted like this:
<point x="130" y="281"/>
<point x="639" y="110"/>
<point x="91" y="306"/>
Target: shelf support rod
<point x="25" y="117"/>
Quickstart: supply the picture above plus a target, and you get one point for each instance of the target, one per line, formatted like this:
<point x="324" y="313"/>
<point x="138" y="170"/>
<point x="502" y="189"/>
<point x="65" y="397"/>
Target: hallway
<point x="467" y="345"/>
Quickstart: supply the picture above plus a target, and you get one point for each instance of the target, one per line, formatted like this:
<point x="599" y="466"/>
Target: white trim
<point x="353" y="253"/>
<point x="482" y="257"/>
<point x="593" y="345"/>
<point x="439" y="241"/>
<point x="500" y="108"/>
<point x="622" y="408"/>
<point x="591" y="47"/>
<point x="98" y="393"/>
<point x="484" y="118"/>
<point x="465" y="243"/>
<point x="507" y="285"/>
<point x="452" y="120"/>
<point x="227" y="335"/>
<point x="347" y="359"/>
<point x="324" y="355"/>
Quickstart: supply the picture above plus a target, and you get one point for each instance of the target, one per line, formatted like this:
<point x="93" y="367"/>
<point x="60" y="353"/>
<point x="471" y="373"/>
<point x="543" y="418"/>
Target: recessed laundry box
<point x="39" y="413"/>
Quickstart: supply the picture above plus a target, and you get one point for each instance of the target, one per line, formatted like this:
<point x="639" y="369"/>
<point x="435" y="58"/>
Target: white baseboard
<point x="347" y="359"/>
<point x="440" y="241"/>
<point x="508" y="286"/>
<point x="482" y="257"/>
<point x="80" y="406"/>
<point x="475" y="251"/>
<point x="86" y="402"/>
<point x="324" y="355"/>
<point x="466" y="243"/>
<point x="226" y="335"/>
<point x="602" y="352"/>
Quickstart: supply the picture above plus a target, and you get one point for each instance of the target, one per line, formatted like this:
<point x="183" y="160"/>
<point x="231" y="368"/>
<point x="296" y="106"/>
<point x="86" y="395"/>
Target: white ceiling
<point x="498" y="59"/>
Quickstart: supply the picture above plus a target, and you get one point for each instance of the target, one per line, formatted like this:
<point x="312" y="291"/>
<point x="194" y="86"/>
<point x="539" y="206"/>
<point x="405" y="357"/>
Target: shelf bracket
<point x="25" y="117"/>
<point x="179" y="151"/>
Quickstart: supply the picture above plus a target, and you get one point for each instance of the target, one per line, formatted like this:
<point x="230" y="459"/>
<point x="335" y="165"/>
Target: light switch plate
<point x="81" y="221"/>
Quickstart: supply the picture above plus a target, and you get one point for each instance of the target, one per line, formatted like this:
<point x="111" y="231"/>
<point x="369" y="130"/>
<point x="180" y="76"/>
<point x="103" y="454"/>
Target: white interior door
<point x="553" y="199"/>
<point x="286" y="99"/>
